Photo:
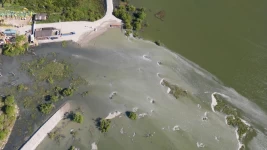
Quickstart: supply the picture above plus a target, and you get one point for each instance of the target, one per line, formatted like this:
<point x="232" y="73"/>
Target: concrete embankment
<point x="40" y="134"/>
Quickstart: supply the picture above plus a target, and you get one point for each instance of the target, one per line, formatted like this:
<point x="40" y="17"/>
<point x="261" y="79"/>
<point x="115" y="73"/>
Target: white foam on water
<point x="94" y="146"/>
<point x="142" y="115"/>
<point x="213" y="101"/>
<point x="147" y="58"/>
<point x="161" y="81"/>
<point x="217" y="139"/>
<point x="121" y="131"/>
<point x="175" y="128"/>
<point x="169" y="90"/>
<point x="113" y="115"/>
<point x="135" y="109"/>
<point x="200" y="145"/>
<point x="112" y="94"/>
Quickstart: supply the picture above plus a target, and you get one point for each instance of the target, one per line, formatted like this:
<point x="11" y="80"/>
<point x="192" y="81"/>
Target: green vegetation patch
<point x="131" y="115"/>
<point x="233" y="119"/>
<point x="77" y="117"/>
<point x="46" y="108"/>
<point x="7" y="116"/>
<point x="104" y="125"/>
<point x="236" y="122"/>
<point x="19" y="47"/>
<point x="44" y="69"/>
<point x="66" y="10"/>
<point x="21" y="87"/>
<point x="67" y="92"/>
<point x="224" y="107"/>
<point x="132" y="17"/>
<point x="72" y="148"/>
<point x="175" y="90"/>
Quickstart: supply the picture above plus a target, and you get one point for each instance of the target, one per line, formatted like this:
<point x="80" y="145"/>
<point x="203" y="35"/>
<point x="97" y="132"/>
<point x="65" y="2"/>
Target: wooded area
<point x="63" y="10"/>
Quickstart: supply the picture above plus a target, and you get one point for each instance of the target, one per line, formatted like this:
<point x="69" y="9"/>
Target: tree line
<point x="63" y="10"/>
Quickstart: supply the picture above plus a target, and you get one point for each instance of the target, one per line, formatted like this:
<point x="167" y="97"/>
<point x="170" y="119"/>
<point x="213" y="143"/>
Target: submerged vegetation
<point x="233" y="118"/>
<point x="19" y="47"/>
<point x="175" y="90"/>
<point x="132" y="17"/>
<point x="48" y="74"/>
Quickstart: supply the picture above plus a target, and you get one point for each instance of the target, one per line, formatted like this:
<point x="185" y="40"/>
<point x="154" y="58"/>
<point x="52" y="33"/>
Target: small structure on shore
<point x="47" y="32"/>
<point x="40" y="17"/>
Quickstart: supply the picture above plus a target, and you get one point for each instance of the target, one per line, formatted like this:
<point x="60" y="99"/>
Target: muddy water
<point x="113" y="63"/>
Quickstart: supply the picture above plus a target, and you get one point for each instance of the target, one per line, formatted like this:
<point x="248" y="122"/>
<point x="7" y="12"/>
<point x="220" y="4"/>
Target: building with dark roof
<point x="46" y="32"/>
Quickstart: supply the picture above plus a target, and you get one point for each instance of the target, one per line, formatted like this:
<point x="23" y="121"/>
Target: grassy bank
<point x="8" y="115"/>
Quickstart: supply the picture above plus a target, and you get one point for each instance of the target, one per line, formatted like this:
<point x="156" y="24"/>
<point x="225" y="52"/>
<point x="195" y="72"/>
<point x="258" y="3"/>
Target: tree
<point x="16" y="49"/>
<point x="3" y="2"/>
<point x="3" y="134"/>
<point x="9" y="110"/>
<point x="141" y="15"/>
<point x="54" y="98"/>
<point x="131" y="8"/>
<point x="131" y="115"/>
<point x="137" y="26"/>
<point x="104" y="125"/>
<point x="67" y="92"/>
<point x="9" y="100"/>
<point x="72" y="148"/>
<point x="77" y="117"/>
<point x="46" y="108"/>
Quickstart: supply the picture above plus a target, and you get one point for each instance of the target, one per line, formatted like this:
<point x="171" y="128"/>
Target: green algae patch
<point x="244" y="131"/>
<point x="174" y="89"/>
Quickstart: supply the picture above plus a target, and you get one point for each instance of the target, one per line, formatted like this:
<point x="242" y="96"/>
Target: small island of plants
<point x="175" y="90"/>
<point x="233" y="118"/>
<point x="77" y="117"/>
<point x="103" y="124"/>
<point x="131" y="115"/>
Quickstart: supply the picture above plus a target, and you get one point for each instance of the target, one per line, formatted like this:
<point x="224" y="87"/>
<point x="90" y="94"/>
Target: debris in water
<point x="135" y="109"/>
<point x="121" y="131"/>
<point x="200" y="145"/>
<point x="112" y="95"/>
<point x="176" y="128"/>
